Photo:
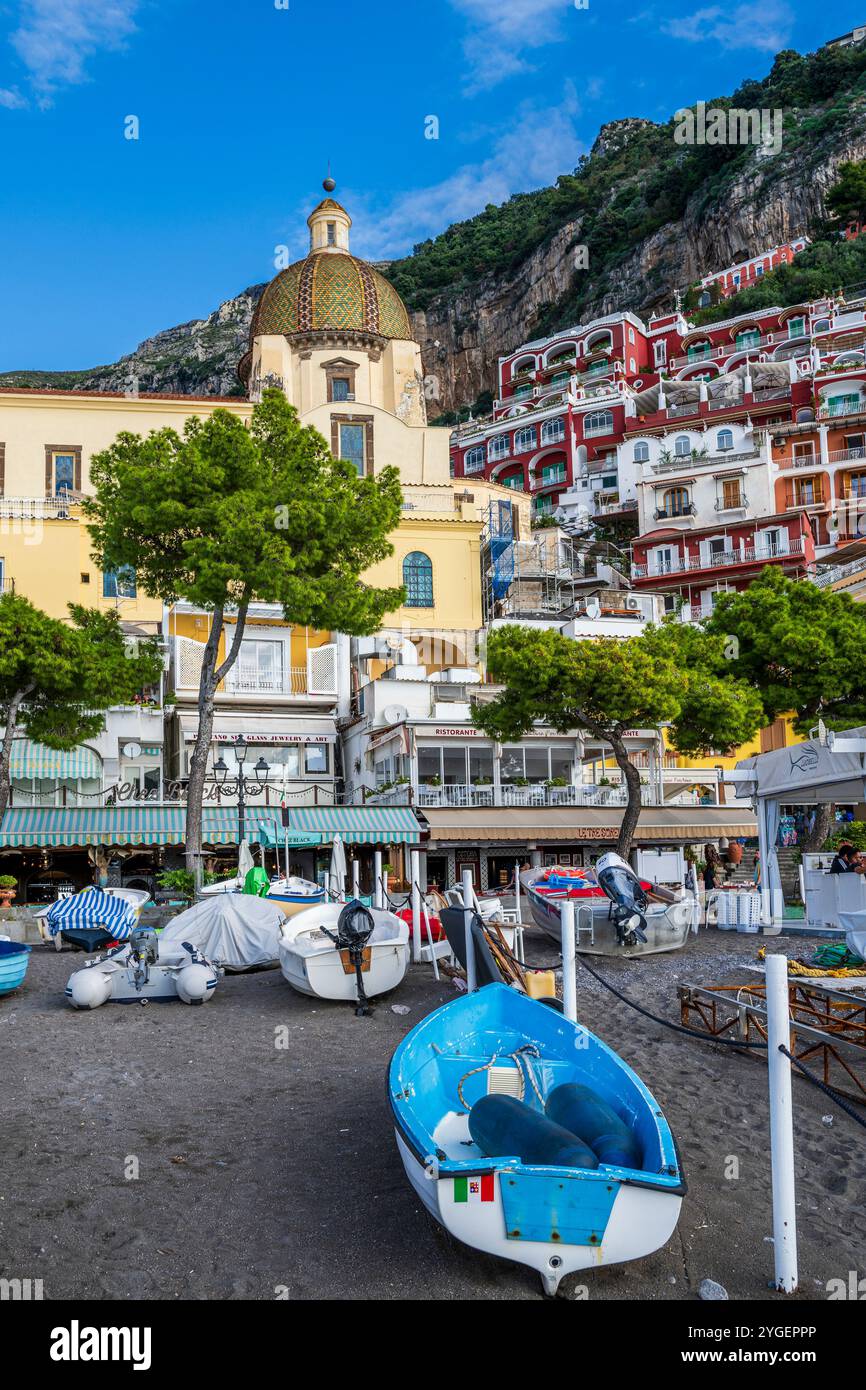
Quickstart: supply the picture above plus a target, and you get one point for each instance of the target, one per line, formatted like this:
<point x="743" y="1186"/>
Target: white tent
<point x="236" y="930"/>
<point x="831" y="767"/>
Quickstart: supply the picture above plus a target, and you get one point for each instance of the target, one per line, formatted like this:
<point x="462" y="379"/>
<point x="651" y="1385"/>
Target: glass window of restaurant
<point x="536" y="762"/>
<point x="456" y="764"/>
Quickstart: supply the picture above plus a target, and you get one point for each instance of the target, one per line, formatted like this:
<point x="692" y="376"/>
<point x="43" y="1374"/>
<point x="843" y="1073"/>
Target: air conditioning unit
<point x="350" y="395"/>
<point x="633" y="603"/>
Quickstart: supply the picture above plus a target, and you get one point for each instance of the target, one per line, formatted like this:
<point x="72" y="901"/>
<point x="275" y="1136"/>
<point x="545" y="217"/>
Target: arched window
<point x="499" y="447"/>
<point x="553" y="432"/>
<point x="418" y="578"/>
<point x="600" y="422"/>
<point x="641" y="452"/>
<point x="724" y="440"/>
<point x="675" y="502"/>
<point x="682" y="446"/>
<point x="474" y="460"/>
<point x="805" y="415"/>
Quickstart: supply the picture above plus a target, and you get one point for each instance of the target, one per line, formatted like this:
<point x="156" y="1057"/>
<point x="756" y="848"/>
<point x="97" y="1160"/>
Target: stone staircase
<point x="788" y="869"/>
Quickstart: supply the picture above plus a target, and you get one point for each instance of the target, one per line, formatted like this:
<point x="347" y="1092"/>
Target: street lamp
<point x="262" y="772"/>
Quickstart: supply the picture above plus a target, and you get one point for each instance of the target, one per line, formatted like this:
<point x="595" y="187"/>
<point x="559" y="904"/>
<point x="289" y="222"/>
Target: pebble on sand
<point x="711" y="1292"/>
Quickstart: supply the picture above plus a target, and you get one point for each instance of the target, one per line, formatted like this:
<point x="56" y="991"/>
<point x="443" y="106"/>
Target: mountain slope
<point x="653" y="215"/>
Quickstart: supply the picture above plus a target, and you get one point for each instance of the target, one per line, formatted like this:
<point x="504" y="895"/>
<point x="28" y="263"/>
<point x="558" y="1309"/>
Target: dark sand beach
<point x="270" y="1171"/>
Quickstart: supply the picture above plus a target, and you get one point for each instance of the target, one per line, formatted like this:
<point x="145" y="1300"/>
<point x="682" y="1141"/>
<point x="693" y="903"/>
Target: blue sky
<point x="105" y="240"/>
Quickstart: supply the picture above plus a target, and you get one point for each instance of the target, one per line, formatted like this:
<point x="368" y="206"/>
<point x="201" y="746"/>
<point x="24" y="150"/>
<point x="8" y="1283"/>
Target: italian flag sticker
<point x="474" y="1189"/>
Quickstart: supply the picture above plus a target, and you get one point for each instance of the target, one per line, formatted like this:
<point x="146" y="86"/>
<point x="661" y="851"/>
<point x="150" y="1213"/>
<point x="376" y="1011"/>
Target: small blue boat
<point x="557" y="1220"/>
<point x="14" y="959"/>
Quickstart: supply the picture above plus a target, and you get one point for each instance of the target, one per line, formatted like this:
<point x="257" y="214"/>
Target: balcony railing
<point x="833" y="412"/>
<point x="291" y="682"/>
<point x="714" y="354"/>
<point x="675" y="513"/>
<point x="799" y="461"/>
<point x="39" y="508"/>
<point x="536" y="794"/>
<point x="748" y="555"/>
<point x="732" y="504"/>
<point x="846" y="455"/>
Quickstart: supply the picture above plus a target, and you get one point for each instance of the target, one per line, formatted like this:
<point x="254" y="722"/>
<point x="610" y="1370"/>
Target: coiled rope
<point x="520" y="1058"/>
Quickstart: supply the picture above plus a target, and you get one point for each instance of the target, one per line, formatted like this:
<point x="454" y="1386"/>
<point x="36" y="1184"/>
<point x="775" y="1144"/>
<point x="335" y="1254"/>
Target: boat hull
<point x="667" y="925"/>
<point x="556" y="1220"/>
<point x="111" y="981"/>
<point x="14" y="959"/>
<point x="312" y="965"/>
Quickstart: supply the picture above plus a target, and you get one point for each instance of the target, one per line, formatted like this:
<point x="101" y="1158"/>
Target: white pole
<point x="781" y="1125"/>
<point x="377" y="878"/>
<point x="468" y="914"/>
<point x="517" y="908"/>
<point x="569" y="963"/>
<point x="415" y="861"/>
<point x="430" y="942"/>
<point x="356" y="878"/>
<point x="385" y="903"/>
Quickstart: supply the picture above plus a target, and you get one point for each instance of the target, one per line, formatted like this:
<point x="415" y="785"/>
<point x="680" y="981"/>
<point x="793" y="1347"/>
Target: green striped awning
<point x="68" y="827"/>
<point x="358" y="825"/>
<point x="35" y="760"/>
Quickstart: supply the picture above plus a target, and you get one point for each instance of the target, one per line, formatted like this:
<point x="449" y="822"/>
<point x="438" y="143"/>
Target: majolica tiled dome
<point x="331" y="291"/>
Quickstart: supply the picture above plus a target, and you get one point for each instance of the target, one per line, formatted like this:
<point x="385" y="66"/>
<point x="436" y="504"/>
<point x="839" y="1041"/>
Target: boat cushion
<point x="503" y="1126"/>
<point x="583" y="1113"/>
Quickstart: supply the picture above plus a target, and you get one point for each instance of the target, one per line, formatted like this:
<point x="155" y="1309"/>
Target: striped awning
<point x="358" y="825"/>
<point x="35" y="760"/>
<point x="73" y="826"/>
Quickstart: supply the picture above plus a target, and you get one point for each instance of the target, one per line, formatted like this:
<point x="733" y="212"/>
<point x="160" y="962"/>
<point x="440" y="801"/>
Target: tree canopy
<point x="225" y="514"/>
<point x="847" y="199"/>
<point x="802" y="648"/>
<point x="57" y="678"/>
<point x="673" y="675"/>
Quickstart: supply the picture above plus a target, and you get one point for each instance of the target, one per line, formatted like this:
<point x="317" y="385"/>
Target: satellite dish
<point x="593" y="608"/>
<point x="395" y="714"/>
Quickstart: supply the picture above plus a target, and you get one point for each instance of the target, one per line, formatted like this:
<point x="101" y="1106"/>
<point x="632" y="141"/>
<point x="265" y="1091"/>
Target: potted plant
<point x="8" y="884"/>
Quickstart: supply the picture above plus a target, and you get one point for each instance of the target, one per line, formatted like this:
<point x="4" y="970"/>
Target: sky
<point x="239" y="105"/>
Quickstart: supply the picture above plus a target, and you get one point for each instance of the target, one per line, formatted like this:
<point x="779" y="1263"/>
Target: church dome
<point x="330" y="291"/>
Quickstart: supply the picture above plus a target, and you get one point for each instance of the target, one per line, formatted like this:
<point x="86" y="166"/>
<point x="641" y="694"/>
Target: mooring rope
<point x="828" y="1091"/>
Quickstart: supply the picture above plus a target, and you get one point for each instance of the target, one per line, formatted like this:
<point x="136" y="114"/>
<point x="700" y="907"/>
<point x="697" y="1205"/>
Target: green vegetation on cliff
<point x="631" y="186"/>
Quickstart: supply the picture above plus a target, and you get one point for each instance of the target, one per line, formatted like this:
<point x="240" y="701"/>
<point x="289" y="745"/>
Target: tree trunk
<point x="631" y="780"/>
<point x="210" y="677"/>
<point x="814" y="841"/>
<point x="6" y="749"/>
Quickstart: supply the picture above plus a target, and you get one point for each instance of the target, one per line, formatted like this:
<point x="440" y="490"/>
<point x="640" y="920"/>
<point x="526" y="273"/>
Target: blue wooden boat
<point x="554" y="1219"/>
<point x="14" y="959"/>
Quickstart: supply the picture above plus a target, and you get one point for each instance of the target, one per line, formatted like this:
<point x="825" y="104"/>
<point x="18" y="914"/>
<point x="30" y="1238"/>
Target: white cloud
<point x="501" y="31"/>
<point x="767" y="28"/>
<point x="11" y="98"/>
<point x="54" y="38"/>
<point x="540" y="145"/>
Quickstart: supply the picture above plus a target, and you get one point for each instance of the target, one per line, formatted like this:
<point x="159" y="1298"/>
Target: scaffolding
<point x="546" y="576"/>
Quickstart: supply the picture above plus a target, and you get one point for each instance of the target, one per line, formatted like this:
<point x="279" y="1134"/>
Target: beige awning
<point x="565" y="824"/>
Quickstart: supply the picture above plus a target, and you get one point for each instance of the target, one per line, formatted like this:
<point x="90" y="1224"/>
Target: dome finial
<point x="329" y="184"/>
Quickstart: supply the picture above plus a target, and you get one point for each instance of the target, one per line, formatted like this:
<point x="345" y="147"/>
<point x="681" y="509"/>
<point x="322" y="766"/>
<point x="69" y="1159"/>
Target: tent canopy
<point x="806" y="773"/>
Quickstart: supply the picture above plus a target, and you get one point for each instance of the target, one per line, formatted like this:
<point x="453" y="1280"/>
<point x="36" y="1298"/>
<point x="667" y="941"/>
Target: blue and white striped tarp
<point x="92" y="908"/>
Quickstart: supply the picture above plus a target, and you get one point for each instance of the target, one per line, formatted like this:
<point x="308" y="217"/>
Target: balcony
<point x="675" y="513"/>
<point x="846" y="455"/>
<point x="798" y="461"/>
<point x="805" y="497"/>
<point x="732" y="504"/>
<point x="716" y="354"/>
<point x="39" y="508"/>
<point x="535" y="794"/>
<point x="837" y="411"/>
<point x="291" y="682"/>
<point x="748" y="555"/>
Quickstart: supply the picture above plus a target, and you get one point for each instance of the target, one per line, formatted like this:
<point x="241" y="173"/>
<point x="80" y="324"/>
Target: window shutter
<point x="189" y="656"/>
<point x="77" y="457"/>
<point x="322" y="670"/>
<point x="2" y="469"/>
<point x="49" y="472"/>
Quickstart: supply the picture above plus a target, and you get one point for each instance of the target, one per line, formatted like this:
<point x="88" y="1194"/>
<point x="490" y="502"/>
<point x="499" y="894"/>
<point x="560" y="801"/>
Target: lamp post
<point x="262" y="771"/>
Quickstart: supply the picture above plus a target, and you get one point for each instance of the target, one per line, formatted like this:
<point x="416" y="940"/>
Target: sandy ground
<point x="266" y="1171"/>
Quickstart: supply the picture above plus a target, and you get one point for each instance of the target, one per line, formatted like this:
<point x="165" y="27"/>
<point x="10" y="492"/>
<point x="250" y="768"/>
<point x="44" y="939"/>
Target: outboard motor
<point x="628" y="899"/>
<point x="143" y="953"/>
<point x="355" y="926"/>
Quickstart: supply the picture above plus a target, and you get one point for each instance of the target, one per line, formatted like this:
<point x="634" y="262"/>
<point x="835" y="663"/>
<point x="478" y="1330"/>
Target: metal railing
<point x="291" y="682"/>
<point x="747" y="555"/>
